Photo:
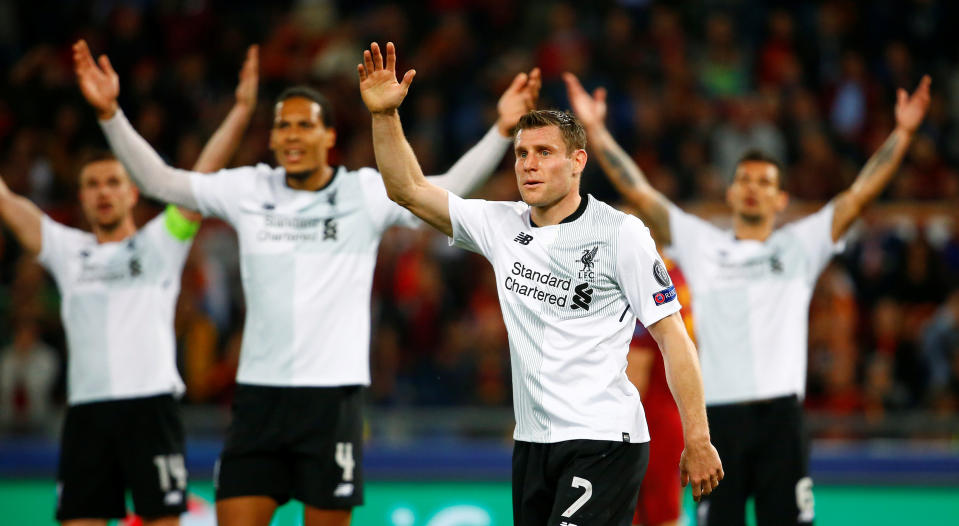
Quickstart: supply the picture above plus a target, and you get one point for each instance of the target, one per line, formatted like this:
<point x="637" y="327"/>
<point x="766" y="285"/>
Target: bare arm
<point x="226" y="139"/>
<point x="23" y="218"/>
<point x="619" y="167"/>
<point x="699" y="463"/>
<point x="402" y="175"/>
<point x="879" y="169"/>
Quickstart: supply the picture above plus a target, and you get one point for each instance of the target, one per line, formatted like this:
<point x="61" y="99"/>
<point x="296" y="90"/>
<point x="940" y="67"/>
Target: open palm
<point x="99" y="84"/>
<point x="910" y="109"/>
<point x="249" y="78"/>
<point x="591" y="109"/>
<point x="378" y="86"/>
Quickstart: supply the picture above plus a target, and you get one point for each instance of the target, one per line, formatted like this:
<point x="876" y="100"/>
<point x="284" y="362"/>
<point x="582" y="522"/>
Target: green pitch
<point x="417" y="503"/>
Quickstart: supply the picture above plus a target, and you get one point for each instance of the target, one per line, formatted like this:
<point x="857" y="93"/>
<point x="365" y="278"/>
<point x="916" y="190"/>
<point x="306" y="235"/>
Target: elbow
<point x="399" y="196"/>
<point x="404" y="194"/>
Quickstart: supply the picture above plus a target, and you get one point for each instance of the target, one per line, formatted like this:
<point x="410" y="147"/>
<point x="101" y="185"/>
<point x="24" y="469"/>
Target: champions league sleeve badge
<point x="659" y="272"/>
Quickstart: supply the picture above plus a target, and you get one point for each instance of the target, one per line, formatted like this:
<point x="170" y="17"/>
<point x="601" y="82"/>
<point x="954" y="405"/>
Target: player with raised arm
<point x="308" y="235"/>
<point x="572" y="275"/>
<point x="751" y="289"/>
<point x="119" y="286"/>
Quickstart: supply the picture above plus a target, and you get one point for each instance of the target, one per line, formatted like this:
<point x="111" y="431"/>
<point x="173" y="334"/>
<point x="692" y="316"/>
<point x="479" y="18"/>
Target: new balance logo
<point x="173" y="498"/>
<point x="584" y="295"/>
<point x="523" y="238"/>
<point x="344" y="489"/>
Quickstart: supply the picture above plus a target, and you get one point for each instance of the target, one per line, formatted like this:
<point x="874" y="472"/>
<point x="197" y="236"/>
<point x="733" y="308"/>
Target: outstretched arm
<point x="879" y="169"/>
<point x="700" y="463"/>
<point x="402" y="175"/>
<point x="23" y="218"/>
<point x="101" y="86"/>
<point x="619" y="167"/>
<point x="482" y="159"/>
<point x="226" y="139"/>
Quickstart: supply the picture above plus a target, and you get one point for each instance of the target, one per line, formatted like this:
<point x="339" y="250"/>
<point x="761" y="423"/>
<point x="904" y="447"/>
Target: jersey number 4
<point x="344" y="459"/>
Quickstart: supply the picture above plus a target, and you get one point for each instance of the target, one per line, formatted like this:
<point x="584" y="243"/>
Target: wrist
<point x="906" y="132"/>
<point x="384" y="113"/>
<point x="594" y="128"/>
<point x="504" y="129"/>
<point x="105" y="114"/>
<point x="243" y="107"/>
<point x="696" y="437"/>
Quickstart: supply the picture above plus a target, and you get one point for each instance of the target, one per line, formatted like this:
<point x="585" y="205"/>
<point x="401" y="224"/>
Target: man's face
<point x="106" y="194"/>
<point x="299" y="139"/>
<point x="545" y="171"/>
<point x="755" y="194"/>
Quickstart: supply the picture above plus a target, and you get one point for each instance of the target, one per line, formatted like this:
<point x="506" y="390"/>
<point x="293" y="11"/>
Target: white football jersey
<point x="118" y="302"/>
<point x="306" y="262"/>
<point x="750" y="302"/>
<point x="570" y="295"/>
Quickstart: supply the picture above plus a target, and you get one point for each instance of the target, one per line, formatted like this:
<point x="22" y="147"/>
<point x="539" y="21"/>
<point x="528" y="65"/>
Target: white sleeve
<point x="161" y="232"/>
<point x="476" y="165"/>
<point x="686" y="232"/>
<point x="154" y="177"/>
<point x="814" y="232"/>
<point x="642" y="274"/>
<point x="471" y="224"/>
<point x="382" y="209"/>
<point x="219" y="194"/>
<point x="56" y="241"/>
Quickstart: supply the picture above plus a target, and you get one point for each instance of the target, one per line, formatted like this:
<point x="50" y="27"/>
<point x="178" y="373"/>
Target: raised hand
<point x="518" y="99"/>
<point x="591" y="110"/>
<point x="100" y="85"/>
<point x="910" y="109"/>
<point x="246" y="89"/>
<point x="378" y="86"/>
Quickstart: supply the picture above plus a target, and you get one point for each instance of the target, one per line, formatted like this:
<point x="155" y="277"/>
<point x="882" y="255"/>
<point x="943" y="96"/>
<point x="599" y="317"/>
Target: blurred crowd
<point x="691" y="87"/>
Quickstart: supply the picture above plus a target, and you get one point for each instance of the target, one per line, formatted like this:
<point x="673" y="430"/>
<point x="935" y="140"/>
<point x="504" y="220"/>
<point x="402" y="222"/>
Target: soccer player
<point x="573" y="274"/>
<point x="751" y="289"/>
<point x="119" y="287"/>
<point x="308" y="236"/>
<point x="659" y="502"/>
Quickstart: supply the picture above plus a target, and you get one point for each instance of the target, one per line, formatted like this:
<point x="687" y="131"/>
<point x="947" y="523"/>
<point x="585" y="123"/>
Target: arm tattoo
<point x="881" y="157"/>
<point x="621" y="169"/>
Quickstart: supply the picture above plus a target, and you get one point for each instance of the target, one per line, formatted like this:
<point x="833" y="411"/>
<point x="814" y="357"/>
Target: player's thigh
<point x="599" y="483"/>
<point x="255" y="461"/>
<point x="89" y="471"/>
<point x="730" y="430"/>
<point x="84" y="522"/>
<point x="154" y="464"/>
<point x="783" y="486"/>
<point x="328" y="457"/>
<point x="533" y="494"/>
<point x="317" y="517"/>
<point x="245" y="511"/>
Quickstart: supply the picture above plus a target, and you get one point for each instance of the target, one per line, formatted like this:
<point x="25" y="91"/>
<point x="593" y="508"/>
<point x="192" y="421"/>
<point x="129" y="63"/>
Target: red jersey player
<point x="659" y="496"/>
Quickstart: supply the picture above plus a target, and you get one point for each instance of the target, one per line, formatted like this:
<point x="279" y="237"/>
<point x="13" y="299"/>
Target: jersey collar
<point x="570" y="218"/>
